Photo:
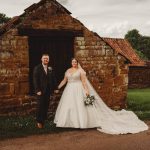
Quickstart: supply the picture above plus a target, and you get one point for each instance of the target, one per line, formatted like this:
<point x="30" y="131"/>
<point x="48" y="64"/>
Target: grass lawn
<point x="10" y="127"/>
<point x="139" y="101"/>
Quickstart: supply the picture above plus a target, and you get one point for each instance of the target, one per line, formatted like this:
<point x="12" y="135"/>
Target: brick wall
<point x="105" y="69"/>
<point x="139" y="77"/>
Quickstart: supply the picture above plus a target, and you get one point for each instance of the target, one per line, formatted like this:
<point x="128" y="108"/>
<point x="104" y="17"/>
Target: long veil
<point x="110" y="121"/>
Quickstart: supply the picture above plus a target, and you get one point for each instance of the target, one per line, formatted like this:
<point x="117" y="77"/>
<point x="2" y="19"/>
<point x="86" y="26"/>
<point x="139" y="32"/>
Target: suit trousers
<point x="42" y="106"/>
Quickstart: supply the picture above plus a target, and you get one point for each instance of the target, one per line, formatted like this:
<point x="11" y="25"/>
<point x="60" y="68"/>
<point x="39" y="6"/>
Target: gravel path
<point x="89" y="139"/>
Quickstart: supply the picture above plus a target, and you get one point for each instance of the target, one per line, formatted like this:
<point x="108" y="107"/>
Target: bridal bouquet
<point x="89" y="100"/>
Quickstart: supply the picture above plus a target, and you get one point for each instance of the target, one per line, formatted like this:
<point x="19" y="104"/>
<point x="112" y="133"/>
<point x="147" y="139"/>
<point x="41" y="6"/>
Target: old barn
<point x="139" y="70"/>
<point x="48" y="27"/>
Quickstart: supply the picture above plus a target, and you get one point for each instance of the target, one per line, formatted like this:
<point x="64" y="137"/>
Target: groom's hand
<point x="56" y="91"/>
<point x="39" y="93"/>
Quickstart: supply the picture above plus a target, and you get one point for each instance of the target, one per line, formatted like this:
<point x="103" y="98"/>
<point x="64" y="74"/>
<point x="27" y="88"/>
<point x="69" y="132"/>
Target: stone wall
<point x="105" y="69"/>
<point x="139" y="77"/>
<point x="13" y="71"/>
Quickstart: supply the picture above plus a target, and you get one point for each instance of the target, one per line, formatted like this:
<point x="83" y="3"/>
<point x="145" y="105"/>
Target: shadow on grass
<point x="13" y="127"/>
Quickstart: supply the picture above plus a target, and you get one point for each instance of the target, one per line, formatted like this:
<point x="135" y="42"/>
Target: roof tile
<point x="123" y="47"/>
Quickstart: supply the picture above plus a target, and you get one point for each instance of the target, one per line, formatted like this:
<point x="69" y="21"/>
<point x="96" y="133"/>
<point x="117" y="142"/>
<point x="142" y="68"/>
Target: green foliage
<point x="141" y="55"/>
<point x="3" y="18"/>
<point x="145" y="46"/>
<point x="140" y="43"/>
<point x="133" y="37"/>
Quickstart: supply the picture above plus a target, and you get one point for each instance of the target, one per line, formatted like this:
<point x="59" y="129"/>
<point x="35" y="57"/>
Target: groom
<point x="44" y="83"/>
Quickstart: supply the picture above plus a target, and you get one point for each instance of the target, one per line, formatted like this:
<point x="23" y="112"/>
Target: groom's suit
<point x="46" y="83"/>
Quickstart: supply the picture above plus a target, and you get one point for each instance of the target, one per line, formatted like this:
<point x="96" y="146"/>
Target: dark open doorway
<point x="60" y="50"/>
<point x="59" y="44"/>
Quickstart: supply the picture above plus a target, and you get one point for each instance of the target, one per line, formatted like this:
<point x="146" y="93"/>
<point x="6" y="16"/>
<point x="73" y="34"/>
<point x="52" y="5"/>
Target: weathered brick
<point x="96" y="57"/>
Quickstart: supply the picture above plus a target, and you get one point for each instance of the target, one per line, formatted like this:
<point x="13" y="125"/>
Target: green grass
<point x="10" y="127"/>
<point x="138" y="100"/>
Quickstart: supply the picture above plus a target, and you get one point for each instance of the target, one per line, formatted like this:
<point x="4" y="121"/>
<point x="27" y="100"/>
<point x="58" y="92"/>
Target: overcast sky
<point x="109" y="18"/>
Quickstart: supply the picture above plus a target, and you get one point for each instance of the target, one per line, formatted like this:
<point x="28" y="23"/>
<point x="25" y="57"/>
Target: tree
<point x="133" y="37"/>
<point x="145" y="46"/>
<point x="140" y="43"/>
<point x="3" y="18"/>
<point x="141" y="55"/>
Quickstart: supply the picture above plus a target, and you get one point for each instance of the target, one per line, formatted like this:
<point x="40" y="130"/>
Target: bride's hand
<point x="87" y="94"/>
<point x="39" y="93"/>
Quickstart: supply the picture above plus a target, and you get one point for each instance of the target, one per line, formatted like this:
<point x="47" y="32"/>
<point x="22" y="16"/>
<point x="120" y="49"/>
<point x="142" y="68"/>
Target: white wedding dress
<point x="72" y="112"/>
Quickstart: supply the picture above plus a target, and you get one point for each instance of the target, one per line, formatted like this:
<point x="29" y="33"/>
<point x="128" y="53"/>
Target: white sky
<point x="109" y="18"/>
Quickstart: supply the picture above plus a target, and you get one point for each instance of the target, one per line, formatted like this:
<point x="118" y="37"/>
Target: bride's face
<point x="74" y="63"/>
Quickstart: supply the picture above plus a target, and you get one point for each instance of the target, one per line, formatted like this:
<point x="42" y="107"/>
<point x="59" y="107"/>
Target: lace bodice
<point x="73" y="77"/>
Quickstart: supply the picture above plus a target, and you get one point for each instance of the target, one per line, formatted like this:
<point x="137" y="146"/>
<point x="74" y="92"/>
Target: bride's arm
<point x="63" y="82"/>
<point x="83" y="79"/>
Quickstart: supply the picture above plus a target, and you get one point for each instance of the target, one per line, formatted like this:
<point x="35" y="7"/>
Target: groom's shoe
<point x="40" y="125"/>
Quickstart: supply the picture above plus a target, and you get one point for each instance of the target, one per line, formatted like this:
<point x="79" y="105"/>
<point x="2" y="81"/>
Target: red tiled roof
<point x="123" y="47"/>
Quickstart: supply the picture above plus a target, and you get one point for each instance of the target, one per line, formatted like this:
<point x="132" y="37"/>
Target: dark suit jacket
<point x="42" y="81"/>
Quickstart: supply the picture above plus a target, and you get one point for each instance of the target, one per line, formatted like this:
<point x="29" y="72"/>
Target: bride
<point x="73" y="113"/>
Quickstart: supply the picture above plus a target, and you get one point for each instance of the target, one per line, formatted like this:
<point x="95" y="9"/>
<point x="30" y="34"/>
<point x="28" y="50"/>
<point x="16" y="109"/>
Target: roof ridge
<point x="10" y="24"/>
<point x="113" y="38"/>
<point x="43" y="1"/>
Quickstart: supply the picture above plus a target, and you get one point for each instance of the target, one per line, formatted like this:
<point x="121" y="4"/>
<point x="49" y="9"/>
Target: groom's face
<point x="45" y="60"/>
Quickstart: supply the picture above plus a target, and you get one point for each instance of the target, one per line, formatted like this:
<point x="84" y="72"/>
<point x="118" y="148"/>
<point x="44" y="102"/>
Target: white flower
<point x="89" y="100"/>
<point x="50" y="69"/>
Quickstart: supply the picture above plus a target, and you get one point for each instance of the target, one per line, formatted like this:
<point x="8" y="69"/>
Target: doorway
<point x="60" y="50"/>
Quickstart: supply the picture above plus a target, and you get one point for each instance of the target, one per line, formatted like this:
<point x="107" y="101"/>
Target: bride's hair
<point x="74" y="59"/>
